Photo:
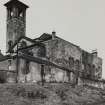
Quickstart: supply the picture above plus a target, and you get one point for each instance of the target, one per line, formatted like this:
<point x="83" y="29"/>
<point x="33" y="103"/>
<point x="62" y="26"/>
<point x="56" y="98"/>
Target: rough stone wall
<point x="35" y="51"/>
<point x="55" y="75"/>
<point x="98" y="66"/>
<point x="11" y="75"/>
<point x="59" y="51"/>
<point x="3" y="76"/>
<point x="12" y="65"/>
<point x="8" y="66"/>
<point x="32" y="75"/>
<point x="4" y="65"/>
<point x="21" y="68"/>
<point x="87" y="59"/>
<point x="92" y="65"/>
<point x="97" y="84"/>
<point x="35" y="72"/>
<point x="15" y="29"/>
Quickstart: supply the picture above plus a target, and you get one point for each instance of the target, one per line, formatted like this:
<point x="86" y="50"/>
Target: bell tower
<point x="16" y="21"/>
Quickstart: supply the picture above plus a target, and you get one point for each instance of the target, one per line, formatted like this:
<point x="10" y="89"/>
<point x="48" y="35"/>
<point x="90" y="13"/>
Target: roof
<point x="24" y="37"/>
<point x="44" y="37"/>
<point x="69" y="42"/>
<point x="16" y="3"/>
<point x="31" y="46"/>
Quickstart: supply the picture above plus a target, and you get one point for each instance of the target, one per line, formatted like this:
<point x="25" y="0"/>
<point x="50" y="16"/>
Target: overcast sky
<point x="81" y="22"/>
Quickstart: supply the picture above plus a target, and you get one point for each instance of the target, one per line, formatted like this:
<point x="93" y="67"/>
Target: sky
<point x="81" y="22"/>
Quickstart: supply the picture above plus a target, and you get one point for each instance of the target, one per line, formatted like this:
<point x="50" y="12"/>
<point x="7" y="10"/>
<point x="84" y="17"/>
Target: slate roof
<point x="44" y="37"/>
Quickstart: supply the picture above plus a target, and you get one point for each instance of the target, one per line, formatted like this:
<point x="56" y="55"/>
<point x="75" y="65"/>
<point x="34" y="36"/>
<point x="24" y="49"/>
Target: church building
<point x="47" y="58"/>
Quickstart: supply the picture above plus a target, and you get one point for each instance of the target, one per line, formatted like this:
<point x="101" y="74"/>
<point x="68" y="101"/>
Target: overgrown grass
<point x="50" y="94"/>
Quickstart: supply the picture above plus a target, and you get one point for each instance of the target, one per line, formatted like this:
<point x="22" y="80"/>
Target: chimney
<point x="94" y="53"/>
<point x="53" y="35"/>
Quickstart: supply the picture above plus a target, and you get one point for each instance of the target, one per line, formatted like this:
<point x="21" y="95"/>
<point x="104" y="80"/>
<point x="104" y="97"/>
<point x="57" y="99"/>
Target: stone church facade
<point x="47" y="58"/>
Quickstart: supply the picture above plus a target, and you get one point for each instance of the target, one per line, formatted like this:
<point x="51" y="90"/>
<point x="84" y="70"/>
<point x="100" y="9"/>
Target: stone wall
<point x="35" y="72"/>
<point x="55" y="75"/>
<point x="92" y="65"/>
<point x="28" y="72"/>
<point x="93" y="83"/>
<point x="4" y="65"/>
<point x="8" y="68"/>
<point x="60" y="50"/>
<point x="15" y="29"/>
<point x="61" y="53"/>
<point x="98" y="66"/>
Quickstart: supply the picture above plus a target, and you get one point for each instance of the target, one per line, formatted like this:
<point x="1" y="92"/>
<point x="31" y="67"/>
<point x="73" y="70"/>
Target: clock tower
<point x="16" y="21"/>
